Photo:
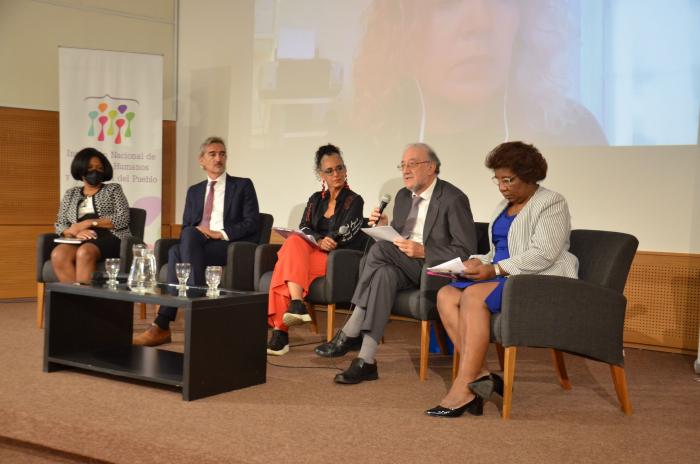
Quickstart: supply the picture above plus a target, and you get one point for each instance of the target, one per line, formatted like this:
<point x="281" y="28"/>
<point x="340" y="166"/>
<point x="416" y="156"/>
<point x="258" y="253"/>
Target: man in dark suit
<point x="436" y="223"/>
<point x="219" y="210"/>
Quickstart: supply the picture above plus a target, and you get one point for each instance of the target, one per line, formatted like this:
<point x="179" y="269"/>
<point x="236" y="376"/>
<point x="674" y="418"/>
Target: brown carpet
<point x="300" y="415"/>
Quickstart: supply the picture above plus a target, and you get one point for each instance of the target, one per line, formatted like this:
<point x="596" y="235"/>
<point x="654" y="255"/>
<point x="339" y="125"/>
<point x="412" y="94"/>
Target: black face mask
<point x="94" y="178"/>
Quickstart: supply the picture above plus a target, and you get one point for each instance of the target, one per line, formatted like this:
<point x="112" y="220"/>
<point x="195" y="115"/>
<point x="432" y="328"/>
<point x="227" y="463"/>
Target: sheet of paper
<point x="284" y="232"/>
<point x="453" y="266"/>
<point x="382" y="233"/>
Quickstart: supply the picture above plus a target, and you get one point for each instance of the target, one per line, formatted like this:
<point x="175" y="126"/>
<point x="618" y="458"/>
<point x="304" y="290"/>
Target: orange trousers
<point x="298" y="262"/>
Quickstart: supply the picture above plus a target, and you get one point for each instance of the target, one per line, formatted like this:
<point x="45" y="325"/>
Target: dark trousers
<point x="387" y="270"/>
<point x="200" y="252"/>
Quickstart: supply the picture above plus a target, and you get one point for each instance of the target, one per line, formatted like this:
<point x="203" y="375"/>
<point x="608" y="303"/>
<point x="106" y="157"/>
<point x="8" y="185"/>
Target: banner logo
<point x="110" y="116"/>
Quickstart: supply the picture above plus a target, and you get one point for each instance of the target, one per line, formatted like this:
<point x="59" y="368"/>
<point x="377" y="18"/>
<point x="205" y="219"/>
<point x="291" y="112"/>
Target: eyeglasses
<point x="506" y="181"/>
<point x="339" y="169"/>
<point x="410" y="165"/>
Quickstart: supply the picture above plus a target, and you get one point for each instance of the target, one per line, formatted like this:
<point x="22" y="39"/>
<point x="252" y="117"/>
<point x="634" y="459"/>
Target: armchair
<point x="239" y="257"/>
<point x="45" y="244"/>
<point x="336" y="287"/>
<point x="420" y="304"/>
<point x="583" y="316"/>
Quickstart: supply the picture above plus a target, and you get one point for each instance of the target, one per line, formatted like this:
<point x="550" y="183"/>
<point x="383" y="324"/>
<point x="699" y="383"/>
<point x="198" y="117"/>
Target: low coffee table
<point x="90" y="326"/>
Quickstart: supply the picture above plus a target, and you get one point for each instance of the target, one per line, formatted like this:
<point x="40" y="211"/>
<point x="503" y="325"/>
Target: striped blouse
<point x="538" y="239"/>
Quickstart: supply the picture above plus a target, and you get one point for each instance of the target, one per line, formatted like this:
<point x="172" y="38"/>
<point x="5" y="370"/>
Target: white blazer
<point x="538" y="239"/>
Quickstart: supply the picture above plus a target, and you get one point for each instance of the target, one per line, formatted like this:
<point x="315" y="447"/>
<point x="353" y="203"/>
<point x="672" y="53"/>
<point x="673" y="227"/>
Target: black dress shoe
<point x="487" y="385"/>
<point x="358" y="371"/>
<point x="339" y="345"/>
<point x="475" y="407"/>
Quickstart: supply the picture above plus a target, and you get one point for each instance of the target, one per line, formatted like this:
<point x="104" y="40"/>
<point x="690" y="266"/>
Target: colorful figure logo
<point x="111" y="119"/>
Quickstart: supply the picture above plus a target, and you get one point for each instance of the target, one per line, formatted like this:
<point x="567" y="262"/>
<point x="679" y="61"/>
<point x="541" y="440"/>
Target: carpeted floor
<point x="301" y="416"/>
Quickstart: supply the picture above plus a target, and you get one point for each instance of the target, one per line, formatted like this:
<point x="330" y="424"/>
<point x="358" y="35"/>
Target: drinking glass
<point x="112" y="268"/>
<point x="213" y="276"/>
<point x="182" y="271"/>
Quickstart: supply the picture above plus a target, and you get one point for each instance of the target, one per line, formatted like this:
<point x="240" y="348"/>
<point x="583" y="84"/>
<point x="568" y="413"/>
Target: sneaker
<point x="278" y="344"/>
<point x="296" y="314"/>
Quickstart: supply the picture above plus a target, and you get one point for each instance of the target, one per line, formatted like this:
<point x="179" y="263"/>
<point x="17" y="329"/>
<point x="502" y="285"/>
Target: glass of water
<point x="182" y="271"/>
<point x="213" y="277"/>
<point x="112" y="268"/>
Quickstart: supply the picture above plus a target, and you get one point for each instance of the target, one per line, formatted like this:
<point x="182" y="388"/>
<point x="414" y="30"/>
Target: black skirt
<point x="107" y="242"/>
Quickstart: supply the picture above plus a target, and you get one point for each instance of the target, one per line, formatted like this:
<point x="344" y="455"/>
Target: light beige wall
<point x="214" y="79"/>
<point x="31" y="32"/>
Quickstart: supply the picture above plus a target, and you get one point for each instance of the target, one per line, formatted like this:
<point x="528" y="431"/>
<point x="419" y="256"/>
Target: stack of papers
<point x="286" y="233"/>
<point x="451" y="268"/>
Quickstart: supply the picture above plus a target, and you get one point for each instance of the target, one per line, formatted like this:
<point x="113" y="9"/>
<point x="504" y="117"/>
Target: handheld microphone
<point x="342" y="230"/>
<point x="386" y="199"/>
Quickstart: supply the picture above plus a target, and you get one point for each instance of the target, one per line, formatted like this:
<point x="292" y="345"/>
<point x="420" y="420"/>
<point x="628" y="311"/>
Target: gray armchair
<point x="45" y="244"/>
<point x="335" y="288"/>
<point x="583" y="316"/>
<point x="420" y="304"/>
<point x="239" y="257"/>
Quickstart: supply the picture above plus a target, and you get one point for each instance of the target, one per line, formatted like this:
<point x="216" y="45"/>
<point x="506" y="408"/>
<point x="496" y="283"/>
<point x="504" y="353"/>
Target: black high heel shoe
<point x="487" y="385"/>
<point x="475" y="407"/>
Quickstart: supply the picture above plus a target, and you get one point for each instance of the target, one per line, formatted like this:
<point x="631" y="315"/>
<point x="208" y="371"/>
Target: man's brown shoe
<point x="154" y="336"/>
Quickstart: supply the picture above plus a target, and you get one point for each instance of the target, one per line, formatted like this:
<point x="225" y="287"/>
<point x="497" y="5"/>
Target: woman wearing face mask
<point x="95" y="212"/>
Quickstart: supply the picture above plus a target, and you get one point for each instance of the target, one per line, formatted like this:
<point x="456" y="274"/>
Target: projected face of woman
<point x="465" y="47"/>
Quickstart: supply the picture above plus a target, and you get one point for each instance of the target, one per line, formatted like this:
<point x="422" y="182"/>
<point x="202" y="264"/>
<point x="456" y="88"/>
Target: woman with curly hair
<point x="333" y="216"/>
<point x="457" y="70"/>
<point x="529" y="235"/>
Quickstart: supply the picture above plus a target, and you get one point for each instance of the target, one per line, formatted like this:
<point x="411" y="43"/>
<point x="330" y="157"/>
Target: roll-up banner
<point x="113" y="101"/>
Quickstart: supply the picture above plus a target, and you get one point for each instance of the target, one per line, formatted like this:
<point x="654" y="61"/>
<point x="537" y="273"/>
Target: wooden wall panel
<point x="28" y="166"/>
<point x="663" y="293"/>
<point x="29" y="196"/>
<point x="18" y="263"/>
<point x="169" y="164"/>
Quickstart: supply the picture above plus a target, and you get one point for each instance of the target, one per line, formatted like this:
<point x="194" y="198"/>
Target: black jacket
<point x="348" y="212"/>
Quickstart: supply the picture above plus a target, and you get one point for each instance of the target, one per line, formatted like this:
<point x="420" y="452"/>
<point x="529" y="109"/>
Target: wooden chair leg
<point x="620" y="381"/>
<point x="330" y="313"/>
<point x="441" y="336"/>
<point x="455" y="364"/>
<point x="499" y="353"/>
<point x="40" y="304"/>
<point x="424" y="337"/>
<point x="508" y="377"/>
<point x="142" y="309"/>
<point x="312" y="313"/>
<point x="560" y="367"/>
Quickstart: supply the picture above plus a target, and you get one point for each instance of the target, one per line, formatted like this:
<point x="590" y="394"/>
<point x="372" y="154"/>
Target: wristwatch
<point x="94" y="224"/>
<point x="496" y="269"/>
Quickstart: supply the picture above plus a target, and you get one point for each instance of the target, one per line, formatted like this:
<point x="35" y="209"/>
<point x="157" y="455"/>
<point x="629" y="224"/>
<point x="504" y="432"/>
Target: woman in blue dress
<point x="529" y="235"/>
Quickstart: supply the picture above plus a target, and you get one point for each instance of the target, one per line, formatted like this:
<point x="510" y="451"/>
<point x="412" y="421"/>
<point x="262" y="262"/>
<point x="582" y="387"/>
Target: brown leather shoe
<point x="154" y="336"/>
